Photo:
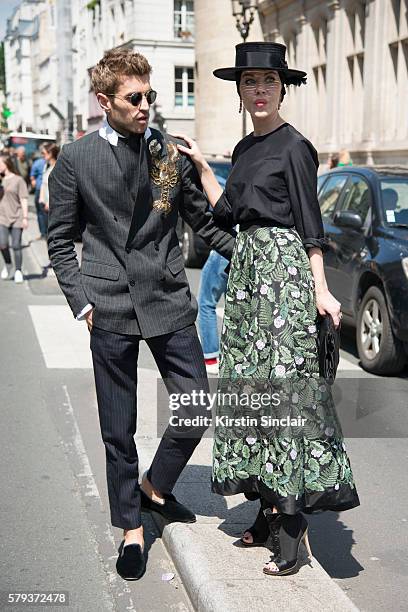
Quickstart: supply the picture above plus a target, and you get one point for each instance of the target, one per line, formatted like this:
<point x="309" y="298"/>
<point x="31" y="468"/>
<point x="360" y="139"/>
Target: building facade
<point x="22" y="29"/>
<point x="39" y="67"/>
<point x="355" y="53"/>
<point x="162" y="30"/>
<point x="218" y="122"/>
<point x="51" y="47"/>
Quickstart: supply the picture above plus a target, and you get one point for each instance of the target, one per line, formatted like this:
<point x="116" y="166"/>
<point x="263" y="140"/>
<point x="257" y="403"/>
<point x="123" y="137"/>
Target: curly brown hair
<point x="107" y="75"/>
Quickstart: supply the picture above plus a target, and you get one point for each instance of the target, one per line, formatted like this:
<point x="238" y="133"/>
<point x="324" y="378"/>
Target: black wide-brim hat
<point x="261" y="56"/>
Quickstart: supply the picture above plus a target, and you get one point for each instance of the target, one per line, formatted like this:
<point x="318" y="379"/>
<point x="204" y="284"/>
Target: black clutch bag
<point x="329" y="347"/>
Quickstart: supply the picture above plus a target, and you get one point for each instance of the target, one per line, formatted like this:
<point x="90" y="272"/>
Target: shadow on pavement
<point x="330" y="539"/>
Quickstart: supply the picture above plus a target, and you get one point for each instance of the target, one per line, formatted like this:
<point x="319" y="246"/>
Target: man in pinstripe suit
<point x="125" y="186"/>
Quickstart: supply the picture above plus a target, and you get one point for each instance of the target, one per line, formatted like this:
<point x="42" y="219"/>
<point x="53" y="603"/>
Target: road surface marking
<point x="89" y="488"/>
<point x="64" y="342"/>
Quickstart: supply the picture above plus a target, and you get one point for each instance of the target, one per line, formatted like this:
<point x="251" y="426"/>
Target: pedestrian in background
<point x="344" y="158"/>
<point x="22" y="164"/>
<point x="36" y="176"/>
<point x="213" y="286"/>
<point x="51" y="153"/>
<point x="13" y="217"/>
<point x="333" y="161"/>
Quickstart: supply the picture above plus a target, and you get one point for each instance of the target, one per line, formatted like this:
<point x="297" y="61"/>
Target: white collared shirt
<point x="107" y="132"/>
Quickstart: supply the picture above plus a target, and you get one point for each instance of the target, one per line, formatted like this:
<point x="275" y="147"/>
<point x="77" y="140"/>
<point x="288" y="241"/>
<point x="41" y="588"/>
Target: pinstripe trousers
<point x="180" y="360"/>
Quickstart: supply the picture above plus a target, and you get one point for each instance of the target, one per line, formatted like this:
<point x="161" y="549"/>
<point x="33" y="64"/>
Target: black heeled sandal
<point x="259" y="531"/>
<point x="286" y="534"/>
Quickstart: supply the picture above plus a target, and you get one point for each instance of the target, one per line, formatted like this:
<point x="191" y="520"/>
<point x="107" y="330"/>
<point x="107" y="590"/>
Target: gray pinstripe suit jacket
<point x="131" y="259"/>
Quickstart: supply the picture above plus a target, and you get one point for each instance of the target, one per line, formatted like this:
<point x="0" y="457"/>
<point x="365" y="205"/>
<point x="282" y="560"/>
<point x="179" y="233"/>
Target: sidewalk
<point x="218" y="576"/>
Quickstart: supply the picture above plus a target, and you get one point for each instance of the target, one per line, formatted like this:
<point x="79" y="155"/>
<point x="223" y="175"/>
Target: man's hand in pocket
<point x="88" y="319"/>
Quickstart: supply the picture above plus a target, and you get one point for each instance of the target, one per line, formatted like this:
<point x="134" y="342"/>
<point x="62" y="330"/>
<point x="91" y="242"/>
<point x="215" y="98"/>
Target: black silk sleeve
<point x="301" y="179"/>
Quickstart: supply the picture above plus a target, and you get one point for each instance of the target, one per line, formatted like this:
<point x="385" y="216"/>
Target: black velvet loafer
<point x="171" y="510"/>
<point x="131" y="563"/>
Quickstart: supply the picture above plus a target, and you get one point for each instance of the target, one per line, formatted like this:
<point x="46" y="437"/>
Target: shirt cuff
<point x="83" y="312"/>
<point x="320" y="243"/>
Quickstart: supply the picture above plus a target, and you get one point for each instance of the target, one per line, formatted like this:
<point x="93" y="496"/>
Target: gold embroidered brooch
<point x="165" y="174"/>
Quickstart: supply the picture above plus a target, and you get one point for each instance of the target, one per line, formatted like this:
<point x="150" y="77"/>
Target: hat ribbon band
<point x="265" y="60"/>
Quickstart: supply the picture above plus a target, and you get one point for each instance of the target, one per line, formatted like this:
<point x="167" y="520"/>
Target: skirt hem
<point x="337" y="500"/>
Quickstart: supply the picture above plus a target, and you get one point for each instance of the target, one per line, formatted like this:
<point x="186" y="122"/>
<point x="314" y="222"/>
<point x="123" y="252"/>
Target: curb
<point x="206" y="564"/>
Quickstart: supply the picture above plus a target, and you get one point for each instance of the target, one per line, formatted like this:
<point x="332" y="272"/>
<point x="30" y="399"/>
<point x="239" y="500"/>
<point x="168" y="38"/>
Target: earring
<point x="240" y="105"/>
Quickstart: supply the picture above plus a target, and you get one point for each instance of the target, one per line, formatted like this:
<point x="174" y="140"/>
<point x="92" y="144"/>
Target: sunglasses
<point x="135" y="99"/>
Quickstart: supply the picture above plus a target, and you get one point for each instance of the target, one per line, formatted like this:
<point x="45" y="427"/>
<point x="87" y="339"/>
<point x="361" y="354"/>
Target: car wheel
<point x="379" y="350"/>
<point x="191" y="259"/>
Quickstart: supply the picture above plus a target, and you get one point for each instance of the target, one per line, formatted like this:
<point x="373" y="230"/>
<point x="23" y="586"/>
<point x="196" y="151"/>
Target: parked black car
<point x="365" y="215"/>
<point x="195" y="250"/>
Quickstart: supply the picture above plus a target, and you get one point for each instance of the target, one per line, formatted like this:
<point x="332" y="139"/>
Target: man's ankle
<point x="150" y="491"/>
<point x="133" y="536"/>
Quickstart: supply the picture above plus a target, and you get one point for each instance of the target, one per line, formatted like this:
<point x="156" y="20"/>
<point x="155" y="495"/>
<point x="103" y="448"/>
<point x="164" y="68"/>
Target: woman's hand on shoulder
<point x="326" y="303"/>
<point x="192" y="149"/>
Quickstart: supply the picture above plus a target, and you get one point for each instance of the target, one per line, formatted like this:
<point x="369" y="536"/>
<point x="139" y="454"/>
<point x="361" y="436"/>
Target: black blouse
<point x="274" y="180"/>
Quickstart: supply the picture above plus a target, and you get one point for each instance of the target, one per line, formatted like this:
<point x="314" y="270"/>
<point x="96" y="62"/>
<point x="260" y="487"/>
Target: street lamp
<point x="244" y="13"/>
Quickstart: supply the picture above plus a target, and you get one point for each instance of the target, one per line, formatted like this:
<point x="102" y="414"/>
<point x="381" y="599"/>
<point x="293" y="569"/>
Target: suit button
<point x="156" y="246"/>
<point x="128" y="250"/>
<point x="132" y="282"/>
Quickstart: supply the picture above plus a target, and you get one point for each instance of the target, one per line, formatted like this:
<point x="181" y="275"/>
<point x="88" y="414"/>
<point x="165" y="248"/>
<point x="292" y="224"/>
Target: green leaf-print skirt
<point x="269" y="345"/>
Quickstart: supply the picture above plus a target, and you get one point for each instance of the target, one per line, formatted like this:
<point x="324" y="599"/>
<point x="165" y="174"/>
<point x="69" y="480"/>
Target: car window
<point x="394" y="196"/>
<point x="320" y="182"/>
<point x="357" y="197"/>
<point x="221" y="169"/>
<point x="330" y="192"/>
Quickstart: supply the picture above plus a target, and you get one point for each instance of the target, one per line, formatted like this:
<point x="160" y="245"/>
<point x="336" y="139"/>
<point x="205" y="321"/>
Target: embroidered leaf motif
<point x="274" y="280"/>
<point x="287" y="467"/>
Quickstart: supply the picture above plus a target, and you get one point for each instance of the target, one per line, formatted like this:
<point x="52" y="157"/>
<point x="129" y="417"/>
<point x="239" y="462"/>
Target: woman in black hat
<point x="276" y="287"/>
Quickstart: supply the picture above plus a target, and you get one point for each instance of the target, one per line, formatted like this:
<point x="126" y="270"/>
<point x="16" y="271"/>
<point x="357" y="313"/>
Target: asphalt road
<point x="55" y="530"/>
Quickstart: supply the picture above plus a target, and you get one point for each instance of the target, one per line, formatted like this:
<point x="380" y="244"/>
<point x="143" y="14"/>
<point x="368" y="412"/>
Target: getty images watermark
<point x="355" y="406"/>
<point x="232" y="401"/>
